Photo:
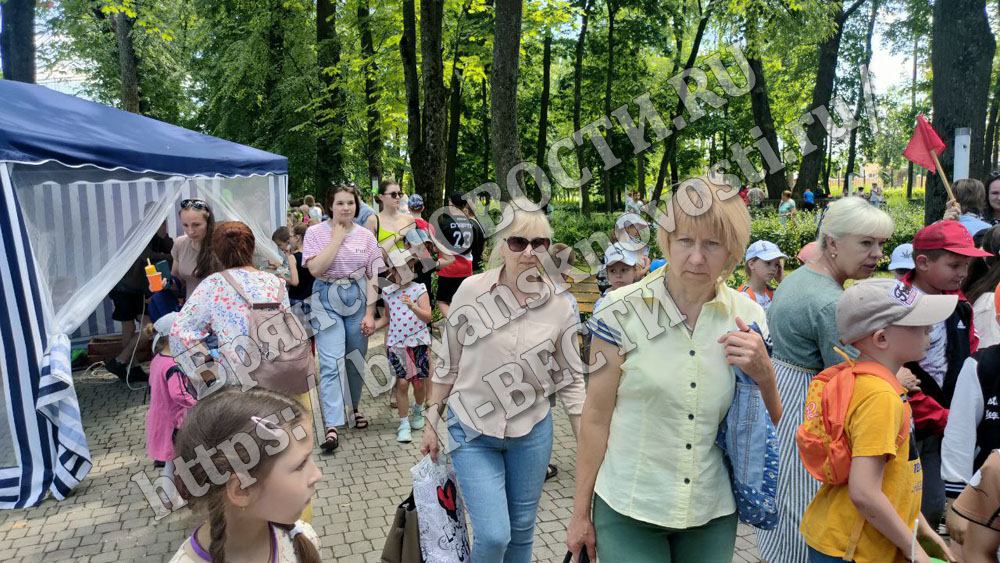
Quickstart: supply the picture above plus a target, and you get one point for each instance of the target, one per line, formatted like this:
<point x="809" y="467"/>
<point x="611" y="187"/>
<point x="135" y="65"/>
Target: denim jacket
<point x="750" y="443"/>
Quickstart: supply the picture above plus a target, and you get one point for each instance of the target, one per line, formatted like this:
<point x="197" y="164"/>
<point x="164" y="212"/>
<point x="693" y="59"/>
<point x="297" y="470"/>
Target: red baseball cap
<point x="947" y="235"/>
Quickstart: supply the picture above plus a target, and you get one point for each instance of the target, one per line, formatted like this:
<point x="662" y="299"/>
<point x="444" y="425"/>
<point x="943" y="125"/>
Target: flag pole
<point x="944" y="177"/>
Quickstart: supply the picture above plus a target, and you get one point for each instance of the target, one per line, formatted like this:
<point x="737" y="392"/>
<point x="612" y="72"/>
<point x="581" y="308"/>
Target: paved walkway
<point x="107" y="518"/>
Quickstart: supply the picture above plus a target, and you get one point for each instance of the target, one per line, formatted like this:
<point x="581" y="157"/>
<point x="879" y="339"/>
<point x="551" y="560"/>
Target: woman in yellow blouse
<point x="651" y="485"/>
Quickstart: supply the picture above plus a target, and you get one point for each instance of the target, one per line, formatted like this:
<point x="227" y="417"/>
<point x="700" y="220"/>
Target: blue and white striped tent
<point x="84" y="187"/>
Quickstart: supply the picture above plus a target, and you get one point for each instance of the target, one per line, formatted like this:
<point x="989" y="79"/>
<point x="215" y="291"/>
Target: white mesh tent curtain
<point x="69" y="231"/>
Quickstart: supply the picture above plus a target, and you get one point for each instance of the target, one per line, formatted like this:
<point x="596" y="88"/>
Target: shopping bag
<point x="402" y="543"/>
<point x="444" y="537"/>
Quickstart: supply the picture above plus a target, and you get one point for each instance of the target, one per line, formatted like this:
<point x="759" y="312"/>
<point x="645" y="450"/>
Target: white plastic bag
<point x="440" y="512"/>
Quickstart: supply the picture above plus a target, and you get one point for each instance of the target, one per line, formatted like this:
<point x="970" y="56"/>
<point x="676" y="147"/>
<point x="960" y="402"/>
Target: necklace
<point x="684" y="318"/>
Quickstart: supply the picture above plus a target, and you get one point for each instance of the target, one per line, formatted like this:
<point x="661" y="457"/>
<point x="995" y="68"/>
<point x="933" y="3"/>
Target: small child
<point x="408" y="339"/>
<point x="902" y="260"/>
<point x="301" y="291"/>
<point x="623" y="268"/>
<point x="628" y="232"/>
<point x="889" y="323"/>
<point x="282" y="237"/>
<point x="170" y="398"/>
<point x="942" y="253"/>
<point x="252" y="513"/>
<point x="563" y="256"/>
<point x="763" y="264"/>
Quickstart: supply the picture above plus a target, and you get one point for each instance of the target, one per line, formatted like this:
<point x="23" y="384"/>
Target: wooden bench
<point x="586" y="294"/>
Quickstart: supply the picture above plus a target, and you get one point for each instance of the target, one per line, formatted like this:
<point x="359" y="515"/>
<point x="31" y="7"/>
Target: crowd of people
<point x="919" y="422"/>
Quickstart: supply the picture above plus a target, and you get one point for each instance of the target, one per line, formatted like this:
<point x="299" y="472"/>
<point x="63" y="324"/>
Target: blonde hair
<point x="971" y="195"/>
<point x="148" y="332"/>
<point x="528" y="224"/>
<point x="725" y="215"/>
<point x="854" y="216"/>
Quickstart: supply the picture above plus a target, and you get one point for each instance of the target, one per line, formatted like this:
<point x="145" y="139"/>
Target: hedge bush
<point x="571" y="226"/>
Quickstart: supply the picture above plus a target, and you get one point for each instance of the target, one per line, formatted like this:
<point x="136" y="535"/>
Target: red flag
<point x="924" y="140"/>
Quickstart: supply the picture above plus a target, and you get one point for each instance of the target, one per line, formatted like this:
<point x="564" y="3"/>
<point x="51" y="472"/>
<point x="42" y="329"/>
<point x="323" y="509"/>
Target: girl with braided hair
<point x="245" y="460"/>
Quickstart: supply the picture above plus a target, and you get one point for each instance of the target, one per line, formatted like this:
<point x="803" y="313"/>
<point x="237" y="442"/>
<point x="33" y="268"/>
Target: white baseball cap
<point x="162" y="327"/>
<point x="765" y="250"/>
<point x="902" y="257"/>
<point x="873" y="304"/>
<point x="615" y="253"/>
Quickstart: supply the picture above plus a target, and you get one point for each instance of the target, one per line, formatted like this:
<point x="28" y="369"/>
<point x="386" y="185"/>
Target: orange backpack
<point x="823" y="445"/>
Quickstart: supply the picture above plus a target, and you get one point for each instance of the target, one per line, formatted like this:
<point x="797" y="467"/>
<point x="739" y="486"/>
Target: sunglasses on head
<point x="198" y="204"/>
<point x="518" y="244"/>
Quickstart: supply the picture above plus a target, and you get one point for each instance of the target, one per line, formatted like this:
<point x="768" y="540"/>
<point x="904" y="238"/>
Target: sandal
<point x="551" y="472"/>
<point x="360" y="422"/>
<point x="332" y="440"/>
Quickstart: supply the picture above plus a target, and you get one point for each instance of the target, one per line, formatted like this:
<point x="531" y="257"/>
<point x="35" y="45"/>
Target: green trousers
<point x="624" y="539"/>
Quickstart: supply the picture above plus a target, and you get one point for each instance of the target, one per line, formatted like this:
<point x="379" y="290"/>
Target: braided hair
<point x="217" y="419"/>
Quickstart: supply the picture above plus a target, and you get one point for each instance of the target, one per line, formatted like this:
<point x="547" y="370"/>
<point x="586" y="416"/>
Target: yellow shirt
<point x="662" y="465"/>
<point x="873" y="420"/>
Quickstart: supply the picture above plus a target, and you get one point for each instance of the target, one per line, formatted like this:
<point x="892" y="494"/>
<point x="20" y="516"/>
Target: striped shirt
<point x="359" y="254"/>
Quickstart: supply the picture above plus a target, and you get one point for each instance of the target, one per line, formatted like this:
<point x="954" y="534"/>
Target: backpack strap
<point x="855" y="538"/>
<point x="239" y="289"/>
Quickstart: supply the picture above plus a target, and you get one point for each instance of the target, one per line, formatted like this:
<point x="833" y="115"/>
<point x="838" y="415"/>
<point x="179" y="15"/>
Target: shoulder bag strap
<point x="239" y="289"/>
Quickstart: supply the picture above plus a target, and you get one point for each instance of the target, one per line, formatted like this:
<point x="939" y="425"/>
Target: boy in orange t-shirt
<point x="870" y="518"/>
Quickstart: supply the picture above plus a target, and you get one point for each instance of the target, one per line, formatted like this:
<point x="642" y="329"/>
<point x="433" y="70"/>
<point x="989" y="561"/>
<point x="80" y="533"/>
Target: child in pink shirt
<point x="170" y="398"/>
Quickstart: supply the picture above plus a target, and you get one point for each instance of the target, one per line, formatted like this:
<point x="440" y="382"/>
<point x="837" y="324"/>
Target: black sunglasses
<point x="518" y="244"/>
<point x="396" y="195"/>
<point x="198" y="204"/>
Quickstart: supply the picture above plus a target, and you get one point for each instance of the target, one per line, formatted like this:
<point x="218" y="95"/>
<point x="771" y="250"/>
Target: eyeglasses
<point x="518" y="244"/>
<point x="198" y="204"/>
<point x="396" y="195"/>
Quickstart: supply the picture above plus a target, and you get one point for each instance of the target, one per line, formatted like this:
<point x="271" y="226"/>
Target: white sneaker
<point x="417" y="418"/>
<point x="403" y="434"/>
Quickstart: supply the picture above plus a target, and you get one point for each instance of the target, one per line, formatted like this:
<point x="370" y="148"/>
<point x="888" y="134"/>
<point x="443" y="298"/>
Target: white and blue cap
<point x="616" y="253"/>
<point x="765" y="250"/>
<point x="162" y="327"/>
<point x="902" y="258"/>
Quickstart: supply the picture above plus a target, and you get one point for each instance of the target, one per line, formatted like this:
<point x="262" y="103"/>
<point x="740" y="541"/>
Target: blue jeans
<point x="343" y="308"/>
<point x="817" y="557"/>
<point x="501" y="481"/>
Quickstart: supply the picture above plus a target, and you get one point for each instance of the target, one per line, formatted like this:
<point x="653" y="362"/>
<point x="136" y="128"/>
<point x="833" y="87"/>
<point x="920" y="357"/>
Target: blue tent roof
<point x="38" y="124"/>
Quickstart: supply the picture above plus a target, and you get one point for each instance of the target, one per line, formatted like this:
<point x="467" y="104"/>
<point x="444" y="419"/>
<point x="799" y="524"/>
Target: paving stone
<point x="107" y="518"/>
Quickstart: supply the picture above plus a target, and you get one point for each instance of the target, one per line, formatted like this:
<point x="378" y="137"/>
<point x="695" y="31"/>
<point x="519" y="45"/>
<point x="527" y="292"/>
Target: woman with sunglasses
<point x="194" y="259"/>
<point x="345" y="259"/>
<point x="392" y="222"/>
<point x="498" y="390"/>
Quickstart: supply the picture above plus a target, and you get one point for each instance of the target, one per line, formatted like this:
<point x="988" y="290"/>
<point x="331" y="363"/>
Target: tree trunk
<point x="127" y="62"/>
<point x="609" y="200"/>
<point x="577" y="82"/>
<point x="373" y="146"/>
<point x="329" y="143"/>
<point x="812" y="162"/>
<point x="486" y="131"/>
<point x="435" y="102"/>
<point x="640" y="173"/>
<point x="760" y="106"/>
<point x="852" y="151"/>
<point x="543" y="116"/>
<point x="670" y="147"/>
<point x="454" y="122"/>
<point x="991" y="127"/>
<point x="503" y="94"/>
<point x="17" y="40"/>
<point x="962" y="49"/>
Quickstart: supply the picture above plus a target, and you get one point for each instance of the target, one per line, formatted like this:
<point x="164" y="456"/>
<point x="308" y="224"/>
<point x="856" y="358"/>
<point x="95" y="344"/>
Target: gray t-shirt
<point x="803" y="322"/>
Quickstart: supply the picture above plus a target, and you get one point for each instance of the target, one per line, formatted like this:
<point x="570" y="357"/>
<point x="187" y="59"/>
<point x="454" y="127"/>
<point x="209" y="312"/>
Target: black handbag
<point x="402" y="543"/>
<point x="584" y="558"/>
